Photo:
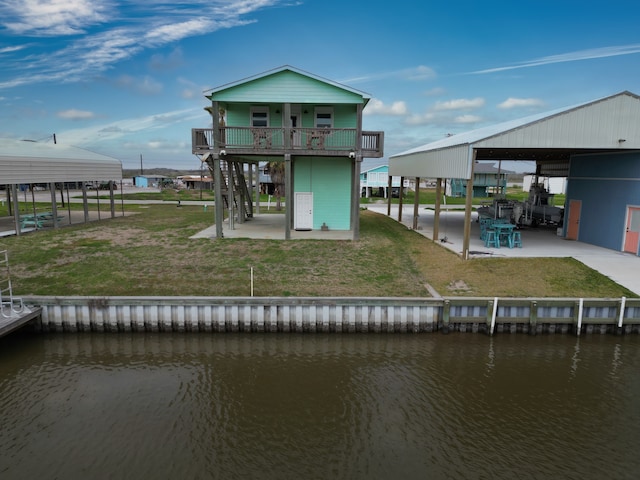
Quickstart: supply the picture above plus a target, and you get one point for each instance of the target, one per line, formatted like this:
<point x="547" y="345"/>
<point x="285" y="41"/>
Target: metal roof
<point x="33" y="162"/>
<point x="551" y="138"/>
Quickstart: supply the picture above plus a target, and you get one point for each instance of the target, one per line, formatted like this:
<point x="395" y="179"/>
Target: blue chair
<point x="516" y="240"/>
<point x="491" y="239"/>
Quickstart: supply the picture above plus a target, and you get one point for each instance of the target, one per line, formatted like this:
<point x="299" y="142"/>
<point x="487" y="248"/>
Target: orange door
<point x="632" y="232"/>
<point x="574" y="219"/>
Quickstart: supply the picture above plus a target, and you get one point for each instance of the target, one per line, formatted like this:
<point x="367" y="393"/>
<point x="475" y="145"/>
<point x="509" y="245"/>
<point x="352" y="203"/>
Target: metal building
<point x="596" y="145"/>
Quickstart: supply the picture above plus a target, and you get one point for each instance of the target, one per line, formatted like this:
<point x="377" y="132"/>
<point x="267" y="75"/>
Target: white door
<point x="303" y="216"/>
<point x="296" y="137"/>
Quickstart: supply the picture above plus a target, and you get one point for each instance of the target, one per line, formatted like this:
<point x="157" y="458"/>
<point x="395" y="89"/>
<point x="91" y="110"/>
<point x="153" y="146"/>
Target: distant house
<point x="145" y="181"/>
<point x="196" y="182"/>
<point x="311" y="126"/>
<point x="375" y="181"/>
<point x="487" y="181"/>
<point x="553" y="185"/>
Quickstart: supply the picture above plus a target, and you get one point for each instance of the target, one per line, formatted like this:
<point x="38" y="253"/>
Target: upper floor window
<point x="260" y="116"/>
<point x="324" y="117"/>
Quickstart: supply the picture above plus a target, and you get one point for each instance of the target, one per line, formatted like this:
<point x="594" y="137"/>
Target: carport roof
<point x="551" y="138"/>
<point x="33" y="162"/>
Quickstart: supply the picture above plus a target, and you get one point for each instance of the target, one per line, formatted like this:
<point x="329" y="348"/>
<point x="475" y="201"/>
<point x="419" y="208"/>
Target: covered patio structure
<point x="557" y="141"/>
<point x="25" y="165"/>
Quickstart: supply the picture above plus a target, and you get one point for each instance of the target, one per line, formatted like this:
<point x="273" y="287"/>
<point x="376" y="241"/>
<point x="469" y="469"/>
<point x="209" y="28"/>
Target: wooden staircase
<point x="232" y="174"/>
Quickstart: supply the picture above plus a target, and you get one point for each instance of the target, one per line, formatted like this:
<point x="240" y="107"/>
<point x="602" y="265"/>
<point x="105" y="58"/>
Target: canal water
<point x="352" y="406"/>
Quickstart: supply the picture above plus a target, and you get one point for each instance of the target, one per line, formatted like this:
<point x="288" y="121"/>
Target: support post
<point x="389" y="196"/>
<point x="288" y="195"/>
<point x="54" y="205"/>
<point x="85" y="202"/>
<point x="215" y="124"/>
<point x="230" y="194"/>
<point x="400" y="199"/>
<point x="416" y="204"/>
<point x="467" y="208"/>
<point x="256" y="167"/>
<point x="355" y="197"/>
<point x="217" y="193"/>
<point x="436" y="215"/>
<point x="286" y="122"/>
<point x="112" y="199"/>
<point x="16" y="209"/>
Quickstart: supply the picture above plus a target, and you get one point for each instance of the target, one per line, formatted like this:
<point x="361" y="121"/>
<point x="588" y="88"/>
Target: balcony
<point x="279" y="141"/>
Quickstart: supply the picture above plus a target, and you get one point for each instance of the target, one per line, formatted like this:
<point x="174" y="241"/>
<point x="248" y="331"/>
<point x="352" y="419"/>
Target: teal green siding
<point x="239" y="114"/>
<point x="287" y="86"/>
<point x="329" y="179"/>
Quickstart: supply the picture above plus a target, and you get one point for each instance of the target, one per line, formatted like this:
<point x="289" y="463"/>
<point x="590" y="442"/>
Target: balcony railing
<point x="277" y="141"/>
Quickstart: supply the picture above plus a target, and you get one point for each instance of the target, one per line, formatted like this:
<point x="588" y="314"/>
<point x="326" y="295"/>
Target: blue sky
<point x="126" y="78"/>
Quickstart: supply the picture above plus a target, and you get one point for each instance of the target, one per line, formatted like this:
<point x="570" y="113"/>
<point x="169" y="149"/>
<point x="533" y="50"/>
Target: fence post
<point x="446" y="310"/>
<point x="579" y="313"/>
<point x="533" y="318"/>
<point x="493" y="315"/>
<point x="622" y="306"/>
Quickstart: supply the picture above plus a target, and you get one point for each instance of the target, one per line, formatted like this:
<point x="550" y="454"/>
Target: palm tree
<point x="276" y="172"/>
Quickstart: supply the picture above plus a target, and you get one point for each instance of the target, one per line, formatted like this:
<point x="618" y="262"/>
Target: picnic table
<point x="37" y="220"/>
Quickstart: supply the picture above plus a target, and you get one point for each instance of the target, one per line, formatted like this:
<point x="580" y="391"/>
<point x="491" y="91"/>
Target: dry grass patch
<point x="152" y="254"/>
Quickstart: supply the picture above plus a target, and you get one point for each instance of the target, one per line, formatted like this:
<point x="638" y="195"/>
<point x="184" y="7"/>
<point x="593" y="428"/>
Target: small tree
<point x="276" y="172"/>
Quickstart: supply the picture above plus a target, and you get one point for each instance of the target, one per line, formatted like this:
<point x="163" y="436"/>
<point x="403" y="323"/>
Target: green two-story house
<point x="313" y="126"/>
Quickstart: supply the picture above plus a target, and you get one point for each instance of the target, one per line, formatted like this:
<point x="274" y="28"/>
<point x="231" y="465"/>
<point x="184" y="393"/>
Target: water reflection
<point x="318" y="406"/>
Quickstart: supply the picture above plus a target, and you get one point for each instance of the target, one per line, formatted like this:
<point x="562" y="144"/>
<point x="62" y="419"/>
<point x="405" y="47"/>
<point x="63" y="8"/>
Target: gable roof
<point x="607" y="124"/>
<point x="33" y="162"/>
<point x="377" y="167"/>
<point x="272" y="89"/>
<point x="482" y="167"/>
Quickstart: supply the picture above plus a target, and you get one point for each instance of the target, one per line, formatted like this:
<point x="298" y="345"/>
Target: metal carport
<point x="551" y="139"/>
<point x="27" y="162"/>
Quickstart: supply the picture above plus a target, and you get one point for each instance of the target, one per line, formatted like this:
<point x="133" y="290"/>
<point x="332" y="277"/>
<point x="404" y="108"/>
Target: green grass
<point x="151" y="254"/>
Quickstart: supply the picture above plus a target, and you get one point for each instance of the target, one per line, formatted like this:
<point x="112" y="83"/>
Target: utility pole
<point x="141" y="171"/>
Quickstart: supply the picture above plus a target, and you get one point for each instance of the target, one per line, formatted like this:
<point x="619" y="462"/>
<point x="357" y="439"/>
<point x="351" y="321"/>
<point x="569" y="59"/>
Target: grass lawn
<point x="150" y="253"/>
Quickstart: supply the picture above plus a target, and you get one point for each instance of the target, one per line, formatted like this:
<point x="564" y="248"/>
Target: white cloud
<point x="52" y="17"/>
<point x="421" y="73"/>
<point x="520" y="102"/>
<point x="460" y="104"/>
<point x="467" y="119"/>
<point x="144" y="85"/>
<point x="377" y="107"/>
<point x="163" y="34"/>
<point x="167" y="62"/>
<point x="191" y="90"/>
<point x="126" y="29"/>
<point x="14" y="48"/>
<point x="74" y="114"/>
<point x="96" y="134"/>
<point x="579" y="55"/>
<point x="423" y="119"/>
<point x="418" y="73"/>
<point x="434" y="92"/>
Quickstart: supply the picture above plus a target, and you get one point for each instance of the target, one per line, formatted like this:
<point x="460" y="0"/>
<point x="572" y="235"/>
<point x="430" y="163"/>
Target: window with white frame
<point x="324" y="117"/>
<point x="259" y="116"/>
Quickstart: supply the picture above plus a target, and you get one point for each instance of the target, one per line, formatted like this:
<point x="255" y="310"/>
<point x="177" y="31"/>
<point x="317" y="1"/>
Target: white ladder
<point x="9" y="305"/>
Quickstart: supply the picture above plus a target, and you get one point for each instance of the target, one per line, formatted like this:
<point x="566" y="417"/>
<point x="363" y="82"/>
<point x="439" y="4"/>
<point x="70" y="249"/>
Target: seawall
<point x="335" y="315"/>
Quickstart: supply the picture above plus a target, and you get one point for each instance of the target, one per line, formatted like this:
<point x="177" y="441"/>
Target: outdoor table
<point x="504" y="231"/>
